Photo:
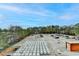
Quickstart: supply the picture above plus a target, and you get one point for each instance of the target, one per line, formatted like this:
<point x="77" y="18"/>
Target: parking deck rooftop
<point x="43" y="46"/>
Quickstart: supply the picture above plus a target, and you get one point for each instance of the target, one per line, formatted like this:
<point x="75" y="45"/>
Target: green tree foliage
<point x="76" y="29"/>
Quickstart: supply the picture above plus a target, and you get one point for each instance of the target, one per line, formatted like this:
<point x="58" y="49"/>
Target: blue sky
<point x="29" y="15"/>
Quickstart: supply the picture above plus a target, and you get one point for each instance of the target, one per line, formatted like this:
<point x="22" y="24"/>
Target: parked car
<point x="41" y="35"/>
<point x="56" y="37"/>
<point x="52" y="35"/>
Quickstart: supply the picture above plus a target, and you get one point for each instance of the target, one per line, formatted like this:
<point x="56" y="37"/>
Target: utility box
<point x="72" y="46"/>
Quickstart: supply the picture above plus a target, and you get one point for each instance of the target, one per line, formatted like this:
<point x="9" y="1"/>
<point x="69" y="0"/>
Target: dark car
<point x="52" y="35"/>
<point x="57" y="37"/>
<point x="41" y="35"/>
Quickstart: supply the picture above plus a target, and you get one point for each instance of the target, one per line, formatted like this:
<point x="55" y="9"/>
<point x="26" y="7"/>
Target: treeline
<point x="52" y="29"/>
<point x="69" y="30"/>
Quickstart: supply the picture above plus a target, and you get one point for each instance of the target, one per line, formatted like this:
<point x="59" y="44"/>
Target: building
<point x="72" y="46"/>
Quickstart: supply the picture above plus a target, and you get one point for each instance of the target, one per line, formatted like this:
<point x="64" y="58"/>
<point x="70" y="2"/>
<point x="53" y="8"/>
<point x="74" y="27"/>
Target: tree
<point x="15" y="28"/>
<point x="76" y="29"/>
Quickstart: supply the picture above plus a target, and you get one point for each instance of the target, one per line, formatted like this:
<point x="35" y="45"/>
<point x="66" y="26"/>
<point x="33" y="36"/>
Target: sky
<point x="38" y="14"/>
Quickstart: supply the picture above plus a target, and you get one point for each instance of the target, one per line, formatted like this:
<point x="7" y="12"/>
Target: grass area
<point x="3" y="40"/>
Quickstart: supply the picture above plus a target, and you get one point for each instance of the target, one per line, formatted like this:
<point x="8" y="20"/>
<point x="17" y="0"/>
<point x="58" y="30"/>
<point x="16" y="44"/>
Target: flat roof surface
<point x="56" y="47"/>
<point x="73" y="41"/>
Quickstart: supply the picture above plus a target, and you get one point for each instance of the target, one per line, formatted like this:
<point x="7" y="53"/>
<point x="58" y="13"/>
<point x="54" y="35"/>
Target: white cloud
<point x="38" y="12"/>
<point x="71" y="13"/>
<point x="66" y="17"/>
<point x="10" y="8"/>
